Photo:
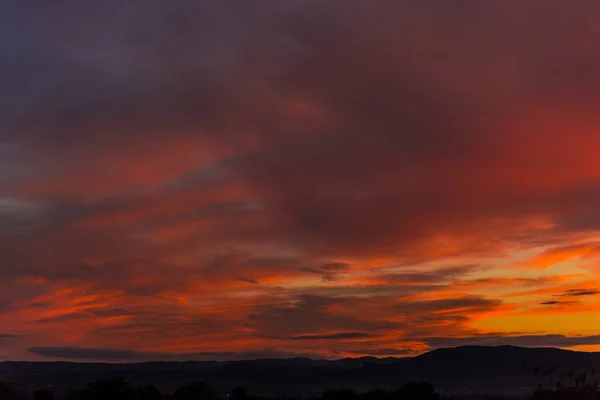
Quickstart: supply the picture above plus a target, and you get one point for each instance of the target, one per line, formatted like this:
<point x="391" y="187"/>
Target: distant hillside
<point x="469" y="369"/>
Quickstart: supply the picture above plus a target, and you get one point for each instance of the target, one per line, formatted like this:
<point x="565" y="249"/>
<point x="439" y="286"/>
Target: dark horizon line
<point x="158" y="361"/>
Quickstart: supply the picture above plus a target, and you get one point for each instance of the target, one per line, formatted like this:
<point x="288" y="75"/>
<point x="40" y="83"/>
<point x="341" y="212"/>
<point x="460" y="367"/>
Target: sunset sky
<point x="219" y="180"/>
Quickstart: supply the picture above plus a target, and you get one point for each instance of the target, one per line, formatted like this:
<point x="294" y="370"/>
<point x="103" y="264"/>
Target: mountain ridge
<point x="464" y="369"/>
<point x="302" y="359"/>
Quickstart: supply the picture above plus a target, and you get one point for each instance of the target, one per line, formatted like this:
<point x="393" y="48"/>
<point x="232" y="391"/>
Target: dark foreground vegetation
<point x="468" y="373"/>
<point x="121" y="389"/>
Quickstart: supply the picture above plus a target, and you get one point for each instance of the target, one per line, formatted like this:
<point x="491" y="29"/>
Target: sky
<point x="194" y="180"/>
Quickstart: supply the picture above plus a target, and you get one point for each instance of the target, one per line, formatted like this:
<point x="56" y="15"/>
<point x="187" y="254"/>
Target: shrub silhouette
<point x="120" y="389"/>
<point x="147" y="393"/>
<point x="7" y="392"/>
<point x="587" y="392"/>
<point x="339" y="394"/>
<point x="105" y="389"/>
<point x="43" y="395"/>
<point x="195" y="391"/>
<point x="378" y="394"/>
<point x="417" y="391"/>
<point x="239" y="393"/>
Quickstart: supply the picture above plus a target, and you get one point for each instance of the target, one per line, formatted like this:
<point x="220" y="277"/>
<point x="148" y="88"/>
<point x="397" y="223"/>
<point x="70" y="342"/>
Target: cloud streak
<point x="115" y="355"/>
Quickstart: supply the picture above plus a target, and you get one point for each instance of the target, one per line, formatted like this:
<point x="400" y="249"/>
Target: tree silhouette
<point x="239" y="393"/>
<point x="119" y="389"/>
<point x="105" y="389"/>
<point x="7" y="392"/>
<point x="377" y="394"/>
<point x="339" y="394"/>
<point x="195" y="391"/>
<point x="418" y="391"/>
<point x="43" y="394"/>
<point x="147" y="393"/>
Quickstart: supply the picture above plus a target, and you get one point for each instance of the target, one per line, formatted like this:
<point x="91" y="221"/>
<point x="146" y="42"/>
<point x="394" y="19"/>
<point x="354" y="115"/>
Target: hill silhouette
<point x="460" y="370"/>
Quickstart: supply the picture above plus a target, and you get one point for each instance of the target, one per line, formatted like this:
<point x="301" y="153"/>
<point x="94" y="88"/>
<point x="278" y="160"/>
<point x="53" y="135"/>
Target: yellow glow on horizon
<point x="565" y="324"/>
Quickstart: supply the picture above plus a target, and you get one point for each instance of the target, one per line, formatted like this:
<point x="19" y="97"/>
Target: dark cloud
<point x="390" y="352"/>
<point x="4" y="337"/>
<point x="248" y="280"/>
<point x="555" y="302"/>
<point x="79" y="353"/>
<point x="306" y="315"/>
<point x="434" y="276"/>
<point x="99" y="354"/>
<point x="452" y="305"/>
<point x="572" y="293"/>
<point x="335" y="266"/>
<point x="410" y="111"/>
<point x="377" y="290"/>
<point x="579" y="292"/>
<point x="70" y="317"/>
<point x="328" y="271"/>
<point x="333" y="336"/>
